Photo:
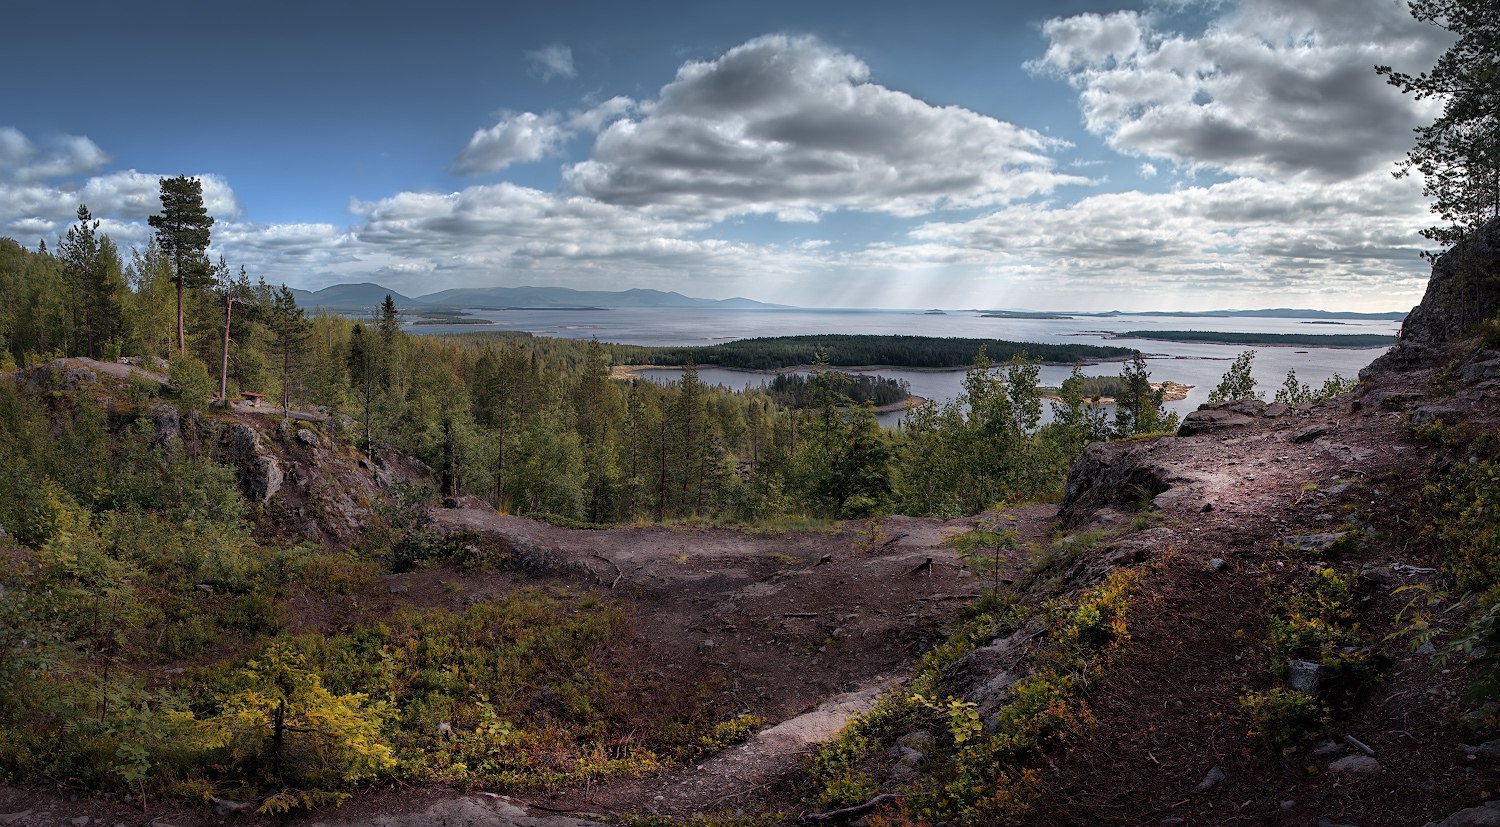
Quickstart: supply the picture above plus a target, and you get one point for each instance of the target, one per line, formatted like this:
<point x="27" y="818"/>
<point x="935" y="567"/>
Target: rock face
<point x="1464" y="289"/>
<point x="312" y="486"/>
<point x="1120" y="475"/>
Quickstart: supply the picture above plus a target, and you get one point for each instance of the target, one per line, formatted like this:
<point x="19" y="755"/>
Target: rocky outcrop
<point x="1464" y="289"/>
<point x="1120" y="475"/>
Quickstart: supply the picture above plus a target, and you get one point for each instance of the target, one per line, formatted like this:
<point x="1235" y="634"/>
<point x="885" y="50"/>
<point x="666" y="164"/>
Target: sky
<point x="1077" y="154"/>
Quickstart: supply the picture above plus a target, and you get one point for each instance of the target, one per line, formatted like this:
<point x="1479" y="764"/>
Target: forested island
<point x="855" y="350"/>
<point x="1355" y="340"/>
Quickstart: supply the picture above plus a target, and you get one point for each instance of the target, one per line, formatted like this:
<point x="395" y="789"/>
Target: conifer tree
<point x="182" y="231"/>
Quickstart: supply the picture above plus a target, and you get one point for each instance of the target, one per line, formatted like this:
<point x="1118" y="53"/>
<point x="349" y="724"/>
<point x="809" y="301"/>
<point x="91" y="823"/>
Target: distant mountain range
<point x="368" y="295"/>
<point x="365" y="296"/>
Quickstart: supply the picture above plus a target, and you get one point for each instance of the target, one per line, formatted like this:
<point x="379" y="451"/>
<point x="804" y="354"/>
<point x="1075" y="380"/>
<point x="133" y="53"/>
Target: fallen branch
<point x="618" y="572"/>
<point x="848" y="812"/>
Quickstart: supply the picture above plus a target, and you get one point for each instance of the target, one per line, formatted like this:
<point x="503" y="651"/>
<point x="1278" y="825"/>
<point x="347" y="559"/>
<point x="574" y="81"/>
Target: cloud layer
<point x="1264" y="141"/>
<point x="1274" y="88"/>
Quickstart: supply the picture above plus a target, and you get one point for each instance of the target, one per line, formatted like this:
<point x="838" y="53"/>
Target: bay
<point x="1197" y="364"/>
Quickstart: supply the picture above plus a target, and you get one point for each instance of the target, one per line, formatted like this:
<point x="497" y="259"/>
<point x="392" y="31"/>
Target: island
<point x="1336" y="340"/>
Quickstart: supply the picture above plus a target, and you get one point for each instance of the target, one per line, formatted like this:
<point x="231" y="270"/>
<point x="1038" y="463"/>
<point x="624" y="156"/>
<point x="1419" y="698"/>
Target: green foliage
<point x="985" y="774"/>
<point x="1461" y="510"/>
<point x="190" y="382"/>
<point x="1458" y="154"/>
<point x="1315" y="618"/>
<point x="1283" y="719"/>
<point x="1293" y="392"/>
<point x="1138" y="407"/>
<point x="284" y="727"/>
<point x="1238" y="383"/>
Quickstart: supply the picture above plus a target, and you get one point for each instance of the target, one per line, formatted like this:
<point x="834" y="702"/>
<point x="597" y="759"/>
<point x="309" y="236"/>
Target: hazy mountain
<point x="350" y="296"/>
<point x="503" y="297"/>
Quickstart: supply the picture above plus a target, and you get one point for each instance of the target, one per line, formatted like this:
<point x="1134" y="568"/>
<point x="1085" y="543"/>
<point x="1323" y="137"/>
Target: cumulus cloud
<point x="554" y="61"/>
<point x="517" y="138"/>
<point x="1271" y="88"/>
<point x="790" y="126"/>
<point x="65" y="156"/>
<point x="526" y="136"/>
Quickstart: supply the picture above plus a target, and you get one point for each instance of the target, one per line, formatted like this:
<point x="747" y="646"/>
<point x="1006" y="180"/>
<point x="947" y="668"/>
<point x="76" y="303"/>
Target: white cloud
<point x="517" y="138"/>
<point x="65" y="156"/>
<point x="1147" y="170"/>
<point x="789" y="126"/>
<point x="554" y="61"/>
<point x="1302" y="237"/>
<point x="1271" y="88"/>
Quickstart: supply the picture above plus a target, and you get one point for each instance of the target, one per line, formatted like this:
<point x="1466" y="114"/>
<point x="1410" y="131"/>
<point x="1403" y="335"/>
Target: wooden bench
<point x="252" y="398"/>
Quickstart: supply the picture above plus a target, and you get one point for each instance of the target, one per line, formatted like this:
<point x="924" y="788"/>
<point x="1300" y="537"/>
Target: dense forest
<point x="853" y="350"/>
<point x="537" y="426"/>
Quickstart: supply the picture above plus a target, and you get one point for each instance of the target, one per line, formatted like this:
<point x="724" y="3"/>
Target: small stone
<point x="1328" y="747"/>
<point x="1310" y="433"/>
<point x="1214" y="776"/>
<point x="400" y="588"/>
<point x="226" y="807"/>
<point x="1207" y="507"/>
<point x="707" y="643"/>
<point x="1288" y="804"/>
<point x="205" y="588"/>
<point x="1217" y="564"/>
<point x="1307" y="676"/>
<point x="1355" y="764"/>
<point x="1315" y="542"/>
<point x="81" y="821"/>
<point x="1426" y="648"/>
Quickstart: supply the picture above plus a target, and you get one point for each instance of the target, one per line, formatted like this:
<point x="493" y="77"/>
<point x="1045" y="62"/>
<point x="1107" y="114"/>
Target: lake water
<point x="1200" y="365"/>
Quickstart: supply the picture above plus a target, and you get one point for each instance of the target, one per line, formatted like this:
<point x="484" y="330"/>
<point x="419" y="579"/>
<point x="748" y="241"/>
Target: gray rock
<point x="1311" y="433"/>
<point x="228" y="807"/>
<point x="1390" y="400"/>
<point x="1315" y="542"/>
<point x="1328" y="747"/>
<point x="260" y="473"/>
<point x="1307" y="676"/>
<point x="309" y="438"/>
<point x="1488" y="749"/>
<point x="919" y="740"/>
<point x="1211" y="780"/>
<point x="400" y="588"/>
<point x="1217" y="564"/>
<point x="1486" y="815"/>
<point x="166" y="425"/>
<point x="1432" y="414"/>
<point x="1355" y="764"/>
<point x="1455" y="298"/>
<point x="1212" y="421"/>
<point x="1479" y="371"/>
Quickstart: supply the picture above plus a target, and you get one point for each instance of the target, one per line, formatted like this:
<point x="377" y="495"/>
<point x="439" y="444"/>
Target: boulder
<point x="1211" y="421"/>
<point x="1117" y="474"/>
<point x="260" y="472"/>
<point x="166" y="425"/>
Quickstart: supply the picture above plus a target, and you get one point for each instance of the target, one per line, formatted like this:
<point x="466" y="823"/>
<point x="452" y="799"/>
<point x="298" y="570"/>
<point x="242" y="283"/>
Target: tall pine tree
<point x="182" y="231"/>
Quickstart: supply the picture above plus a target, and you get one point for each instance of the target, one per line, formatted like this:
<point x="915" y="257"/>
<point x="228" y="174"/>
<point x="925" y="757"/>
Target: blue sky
<point x="1087" y="155"/>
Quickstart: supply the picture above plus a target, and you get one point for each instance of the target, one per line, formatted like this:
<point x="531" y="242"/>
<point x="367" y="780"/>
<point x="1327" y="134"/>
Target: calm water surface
<point x="1200" y="365"/>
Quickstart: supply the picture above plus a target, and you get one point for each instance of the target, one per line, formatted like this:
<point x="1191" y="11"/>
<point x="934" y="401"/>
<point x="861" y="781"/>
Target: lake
<point x="1200" y="365"/>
